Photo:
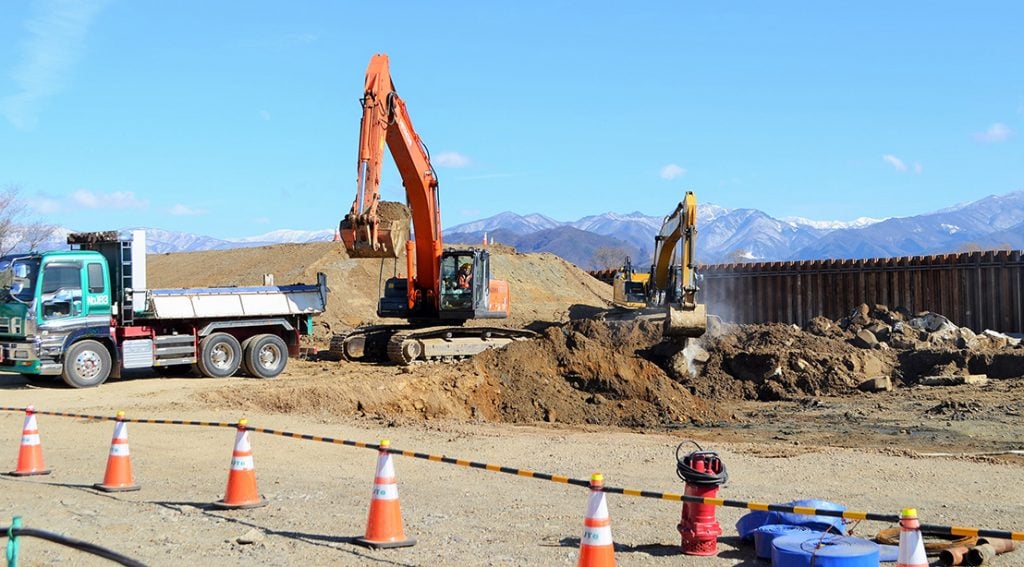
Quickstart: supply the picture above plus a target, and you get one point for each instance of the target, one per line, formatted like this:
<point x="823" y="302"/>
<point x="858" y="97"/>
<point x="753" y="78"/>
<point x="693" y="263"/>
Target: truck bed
<point x="208" y="302"/>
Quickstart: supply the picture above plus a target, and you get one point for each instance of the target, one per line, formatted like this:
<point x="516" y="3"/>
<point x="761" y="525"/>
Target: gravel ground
<point x="319" y="493"/>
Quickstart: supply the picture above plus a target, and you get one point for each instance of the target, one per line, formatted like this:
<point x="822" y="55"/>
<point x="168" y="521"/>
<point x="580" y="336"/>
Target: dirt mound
<point x="584" y="372"/>
<point x="588" y="372"/>
<point x="389" y="211"/>
<point x="776" y="362"/>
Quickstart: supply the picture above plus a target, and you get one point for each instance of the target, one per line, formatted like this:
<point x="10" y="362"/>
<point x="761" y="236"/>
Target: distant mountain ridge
<point x="724" y="235"/>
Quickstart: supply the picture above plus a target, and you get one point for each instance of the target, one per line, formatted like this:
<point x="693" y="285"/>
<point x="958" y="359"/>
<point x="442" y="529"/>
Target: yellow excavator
<point x="669" y="290"/>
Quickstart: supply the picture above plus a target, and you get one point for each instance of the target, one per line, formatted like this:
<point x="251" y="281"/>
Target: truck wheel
<point x="265" y="356"/>
<point x="86" y="364"/>
<point x="219" y="355"/>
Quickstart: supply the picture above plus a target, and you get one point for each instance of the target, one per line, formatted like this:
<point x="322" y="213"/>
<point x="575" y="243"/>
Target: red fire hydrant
<point x="703" y="472"/>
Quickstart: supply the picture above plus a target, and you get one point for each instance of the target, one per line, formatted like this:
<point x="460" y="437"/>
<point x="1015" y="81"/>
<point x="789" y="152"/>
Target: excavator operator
<point x="465" y="276"/>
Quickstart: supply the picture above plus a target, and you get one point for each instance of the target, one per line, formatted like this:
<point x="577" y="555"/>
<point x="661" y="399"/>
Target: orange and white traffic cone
<point x="384" y="523"/>
<point x="118" y="477"/>
<point x="241" y="491"/>
<point x="596" y="547"/>
<point x="911" y="551"/>
<point x="30" y="455"/>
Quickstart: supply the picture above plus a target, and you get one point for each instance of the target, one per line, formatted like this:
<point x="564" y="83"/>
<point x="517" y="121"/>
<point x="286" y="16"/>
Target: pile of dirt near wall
<point x="774" y="362"/>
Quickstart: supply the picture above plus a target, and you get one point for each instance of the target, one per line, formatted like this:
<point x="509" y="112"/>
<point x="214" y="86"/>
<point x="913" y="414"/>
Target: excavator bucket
<point x="390" y="239"/>
<point x="686" y="320"/>
<point x="388" y="242"/>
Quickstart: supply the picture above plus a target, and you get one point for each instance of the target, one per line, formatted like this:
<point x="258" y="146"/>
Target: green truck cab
<point x="51" y="300"/>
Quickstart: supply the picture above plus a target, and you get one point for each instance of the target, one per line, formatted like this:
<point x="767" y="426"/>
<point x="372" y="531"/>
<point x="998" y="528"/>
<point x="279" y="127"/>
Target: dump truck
<point x="86" y="314"/>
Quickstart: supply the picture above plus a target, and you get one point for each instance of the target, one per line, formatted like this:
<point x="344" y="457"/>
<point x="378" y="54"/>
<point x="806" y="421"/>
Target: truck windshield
<point x="19" y="277"/>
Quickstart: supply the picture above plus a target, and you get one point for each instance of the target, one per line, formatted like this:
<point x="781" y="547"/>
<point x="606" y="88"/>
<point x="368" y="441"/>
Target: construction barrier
<point x="242" y="425"/>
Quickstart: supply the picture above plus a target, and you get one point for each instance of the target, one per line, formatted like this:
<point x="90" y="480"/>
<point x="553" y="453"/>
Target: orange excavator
<point x="444" y="287"/>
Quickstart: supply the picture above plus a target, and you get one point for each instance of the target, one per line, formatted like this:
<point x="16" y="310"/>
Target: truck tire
<point x="265" y="356"/>
<point x="86" y="364"/>
<point x="219" y="355"/>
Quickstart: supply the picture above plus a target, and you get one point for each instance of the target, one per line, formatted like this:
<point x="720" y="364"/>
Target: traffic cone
<point x="30" y="455"/>
<point x="384" y="522"/>
<point x="118" y="477"/>
<point x="241" y="491"/>
<point x="596" y="547"/>
<point x="911" y="552"/>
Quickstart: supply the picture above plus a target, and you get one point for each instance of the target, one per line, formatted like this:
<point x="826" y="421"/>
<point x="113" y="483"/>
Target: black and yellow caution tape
<point x="525" y="473"/>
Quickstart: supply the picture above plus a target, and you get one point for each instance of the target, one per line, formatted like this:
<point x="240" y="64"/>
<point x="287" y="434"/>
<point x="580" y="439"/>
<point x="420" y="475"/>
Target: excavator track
<point x="362" y="344"/>
<point x="448" y="344"/>
<point x="413" y="345"/>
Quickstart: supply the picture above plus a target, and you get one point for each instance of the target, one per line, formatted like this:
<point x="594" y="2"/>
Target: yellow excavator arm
<point x="675" y="285"/>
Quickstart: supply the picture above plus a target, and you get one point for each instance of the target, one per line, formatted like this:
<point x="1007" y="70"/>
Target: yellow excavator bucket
<point x="683" y="320"/>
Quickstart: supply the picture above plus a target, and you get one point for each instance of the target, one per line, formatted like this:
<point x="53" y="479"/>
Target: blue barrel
<point x="764" y="535"/>
<point x="805" y="550"/>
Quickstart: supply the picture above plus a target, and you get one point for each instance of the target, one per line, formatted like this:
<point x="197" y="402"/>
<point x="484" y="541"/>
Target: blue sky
<point x="234" y="119"/>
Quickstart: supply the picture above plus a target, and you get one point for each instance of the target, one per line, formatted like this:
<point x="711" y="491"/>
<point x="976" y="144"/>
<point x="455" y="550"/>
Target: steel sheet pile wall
<point x="978" y="290"/>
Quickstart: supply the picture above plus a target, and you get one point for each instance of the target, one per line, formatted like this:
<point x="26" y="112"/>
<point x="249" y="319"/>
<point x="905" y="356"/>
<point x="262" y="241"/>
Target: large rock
<point x="876" y="384"/>
<point x="865" y="339"/>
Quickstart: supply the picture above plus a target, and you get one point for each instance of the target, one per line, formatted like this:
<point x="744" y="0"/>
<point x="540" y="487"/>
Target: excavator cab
<point x="467" y="290"/>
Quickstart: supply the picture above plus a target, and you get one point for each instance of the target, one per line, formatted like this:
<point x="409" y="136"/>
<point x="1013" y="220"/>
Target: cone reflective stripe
<point x="911" y="550"/>
<point x="384" y="522"/>
<point x="118" y="477"/>
<point x="596" y="546"/>
<point x="30" y="454"/>
<point x="241" y="491"/>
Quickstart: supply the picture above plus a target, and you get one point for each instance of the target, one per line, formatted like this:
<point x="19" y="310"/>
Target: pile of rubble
<point x="881" y="327"/>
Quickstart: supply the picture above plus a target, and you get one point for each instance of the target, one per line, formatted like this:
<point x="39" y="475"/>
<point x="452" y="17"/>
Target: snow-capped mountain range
<point x="724" y="235"/>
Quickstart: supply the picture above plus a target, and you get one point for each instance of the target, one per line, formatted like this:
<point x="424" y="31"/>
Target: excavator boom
<point x="443" y="288"/>
<point x="684" y="317"/>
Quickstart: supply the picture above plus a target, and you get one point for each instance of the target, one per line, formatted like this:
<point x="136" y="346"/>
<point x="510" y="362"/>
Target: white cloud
<point x="997" y="132"/>
<point x="185" y="211"/>
<point x="56" y="37"/>
<point x="671" y="171"/>
<point x="894" y="161"/>
<point x="44" y="204"/>
<point x="918" y="168"/>
<point x="265" y="115"/>
<point x="451" y="159"/>
<point x="115" y="200"/>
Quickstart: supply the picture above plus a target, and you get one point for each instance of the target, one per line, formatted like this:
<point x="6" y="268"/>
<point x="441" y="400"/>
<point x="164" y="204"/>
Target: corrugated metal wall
<point x="978" y="290"/>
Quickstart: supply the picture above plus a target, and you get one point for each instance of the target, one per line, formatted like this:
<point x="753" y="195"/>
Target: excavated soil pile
<point x="774" y="362"/>
<point x="392" y="211"/>
<point x="587" y="372"/>
<point x="582" y="373"/>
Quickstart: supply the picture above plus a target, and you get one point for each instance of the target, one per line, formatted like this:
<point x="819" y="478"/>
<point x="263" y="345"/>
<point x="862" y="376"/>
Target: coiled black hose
<point x="715" y="475"/>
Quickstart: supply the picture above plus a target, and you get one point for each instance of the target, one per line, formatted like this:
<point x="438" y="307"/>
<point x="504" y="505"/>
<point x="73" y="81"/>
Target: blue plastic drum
<point x="805" y="550"/>
<point x="764" y="535"/>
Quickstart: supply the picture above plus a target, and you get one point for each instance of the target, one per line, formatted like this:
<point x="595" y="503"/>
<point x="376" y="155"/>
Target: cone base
<point x="384" y="544"/>
<point x="125" y="488"/>
<point x="222" y="505"/>
<point x="29" y="473"/>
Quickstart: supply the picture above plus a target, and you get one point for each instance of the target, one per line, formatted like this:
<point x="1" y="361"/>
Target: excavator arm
<point x="365" y="232"/>
<point x="685" y="317"/>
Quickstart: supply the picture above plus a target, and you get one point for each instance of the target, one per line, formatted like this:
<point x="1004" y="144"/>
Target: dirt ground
<point x="866" y="455"/>
<point x="781" y="404"/>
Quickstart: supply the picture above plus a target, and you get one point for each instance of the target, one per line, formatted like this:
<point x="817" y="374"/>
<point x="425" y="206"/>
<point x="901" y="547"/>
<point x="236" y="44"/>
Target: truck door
<point x="74" y="290"/>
